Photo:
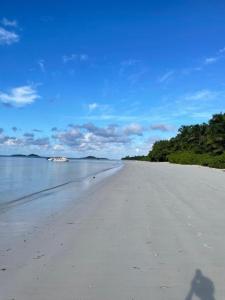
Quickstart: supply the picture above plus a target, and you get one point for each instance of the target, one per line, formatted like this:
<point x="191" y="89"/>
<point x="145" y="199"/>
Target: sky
<point x="107" y="78"/>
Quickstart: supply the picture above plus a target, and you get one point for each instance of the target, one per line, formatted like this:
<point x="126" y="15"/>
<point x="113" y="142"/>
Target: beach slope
<point x="140" y="235"/>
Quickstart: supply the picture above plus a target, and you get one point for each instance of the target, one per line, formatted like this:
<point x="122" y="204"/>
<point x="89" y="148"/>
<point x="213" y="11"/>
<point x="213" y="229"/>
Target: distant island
<point x="199" y="144"/>
<point x="93" y="157"/>
<point x="46" y="157"/>
<point x="28" y="156"/>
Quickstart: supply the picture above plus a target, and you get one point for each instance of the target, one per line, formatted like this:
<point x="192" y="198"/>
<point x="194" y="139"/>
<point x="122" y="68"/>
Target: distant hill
<point x="38" y="156"/>
<point x="28" y="156"/>
<point x="93" y="157"/>
<point x="34" y="155"/>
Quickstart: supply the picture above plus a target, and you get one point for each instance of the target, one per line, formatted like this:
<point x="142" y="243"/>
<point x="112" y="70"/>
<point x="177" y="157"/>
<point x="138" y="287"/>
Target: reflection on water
<point x="44" y="187"/>
<point x="20" y="177"/>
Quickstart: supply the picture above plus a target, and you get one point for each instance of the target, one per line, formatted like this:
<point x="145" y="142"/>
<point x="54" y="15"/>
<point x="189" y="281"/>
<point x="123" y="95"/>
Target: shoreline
<point x="41" y="192"/>
<point x="22" y="222"/>
<point x="139" y="234"/>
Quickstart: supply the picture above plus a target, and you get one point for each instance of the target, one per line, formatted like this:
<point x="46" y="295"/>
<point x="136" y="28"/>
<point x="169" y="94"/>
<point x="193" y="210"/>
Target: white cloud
<point x="91" y="137"/>
<point x="19" y="96"/>
<point x="9" y="23"/>
<point x="83" y="57"/>
<point x="67" y="58"/>
<point x="58" y="147"/>
<point x="219" y="55"/>
<point x="41" y="64"/>
<point x="75" y="57"/>
<point x="26" y="141"/>
<point x="133" y="129"/>
<point x="222" y="50"/>
<point x="165" y="77"/>
<point x="201" y="95"/>
<point x="130" y="62"/>
<point x="211" y="60"/>
<point x="8" y="37"/>
<point x="162" y="127"/>
<point x="93" y="106"/>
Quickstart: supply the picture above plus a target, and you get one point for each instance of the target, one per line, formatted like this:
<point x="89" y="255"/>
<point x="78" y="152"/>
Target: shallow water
<point x="33" y="189"/>
<point x="22" y="177"/>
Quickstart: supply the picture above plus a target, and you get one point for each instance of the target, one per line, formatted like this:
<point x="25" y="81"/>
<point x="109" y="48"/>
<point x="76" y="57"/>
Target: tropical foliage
<point x="138" y="157"/>
<point x="202" y="144"/>
<point x="190" y="158"/>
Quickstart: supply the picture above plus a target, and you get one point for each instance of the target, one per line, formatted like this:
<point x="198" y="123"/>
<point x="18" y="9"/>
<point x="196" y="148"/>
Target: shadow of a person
<point x="202" y="287"/>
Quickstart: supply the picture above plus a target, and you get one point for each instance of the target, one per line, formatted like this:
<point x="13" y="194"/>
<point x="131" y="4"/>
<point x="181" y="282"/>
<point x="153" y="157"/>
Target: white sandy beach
<point x="137" y="235"/>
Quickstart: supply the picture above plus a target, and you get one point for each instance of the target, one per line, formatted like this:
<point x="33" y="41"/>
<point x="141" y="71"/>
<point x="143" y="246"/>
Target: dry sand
<point x="140" y="234"/>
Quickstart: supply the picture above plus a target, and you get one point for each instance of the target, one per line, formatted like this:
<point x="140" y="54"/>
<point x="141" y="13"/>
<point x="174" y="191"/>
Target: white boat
<point x="58" y="159"/>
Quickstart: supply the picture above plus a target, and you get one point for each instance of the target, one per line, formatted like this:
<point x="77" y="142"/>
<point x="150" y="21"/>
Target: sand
<point x="140" y="234"/>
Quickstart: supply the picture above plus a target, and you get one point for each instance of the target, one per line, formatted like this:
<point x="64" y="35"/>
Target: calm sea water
<point x="24" y="180"/>
<point x="33" y="191"/>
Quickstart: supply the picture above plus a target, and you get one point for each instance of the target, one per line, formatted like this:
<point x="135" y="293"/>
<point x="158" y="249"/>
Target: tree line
<point x="202" y="144"/>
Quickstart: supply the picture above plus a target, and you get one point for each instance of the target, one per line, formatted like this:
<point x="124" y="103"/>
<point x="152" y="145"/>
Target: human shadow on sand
<point x="202" y="287"/>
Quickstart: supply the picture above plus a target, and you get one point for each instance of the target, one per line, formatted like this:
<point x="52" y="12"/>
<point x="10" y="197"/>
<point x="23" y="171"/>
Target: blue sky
<point x="107" y="78"/>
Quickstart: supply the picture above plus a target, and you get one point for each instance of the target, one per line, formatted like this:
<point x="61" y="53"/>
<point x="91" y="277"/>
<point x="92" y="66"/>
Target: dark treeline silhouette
<point x="202" y="144"/>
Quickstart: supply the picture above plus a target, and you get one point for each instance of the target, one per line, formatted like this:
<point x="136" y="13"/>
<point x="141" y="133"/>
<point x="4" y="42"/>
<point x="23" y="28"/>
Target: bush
<point x="190" y="158"/>
<point x="138" y="157"/>
<point x="160" y="151"/>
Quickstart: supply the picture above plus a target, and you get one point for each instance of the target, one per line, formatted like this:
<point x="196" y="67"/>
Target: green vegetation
<point x="200" y="144"/>
<point x="190" y="158"/>
<point x="160" y="151"/>
<point x="138" y="157"/>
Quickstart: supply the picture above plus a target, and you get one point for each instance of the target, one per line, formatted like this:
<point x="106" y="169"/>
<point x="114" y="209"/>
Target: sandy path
<point x="148" y="228"/>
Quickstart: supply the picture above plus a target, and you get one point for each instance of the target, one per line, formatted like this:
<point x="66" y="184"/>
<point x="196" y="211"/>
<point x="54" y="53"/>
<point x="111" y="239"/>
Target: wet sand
<point x="140" y="234"/>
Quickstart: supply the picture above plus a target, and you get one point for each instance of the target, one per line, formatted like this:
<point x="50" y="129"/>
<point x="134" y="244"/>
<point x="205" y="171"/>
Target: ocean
<point x="31" y="189"/>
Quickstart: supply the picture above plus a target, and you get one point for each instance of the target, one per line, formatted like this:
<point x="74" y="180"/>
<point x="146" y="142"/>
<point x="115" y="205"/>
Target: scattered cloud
<point x="67" y="58"/>
<point x="222" y="50"/>
<point x="166" y="76"/>
<point x="83" y="57"/>
<point x="132" y="70"/>
<point x="211" y="60"/>
<point x="1" y="130"/>
<point x="136" y="76"/>
<point x="187" y="71"/>
<point x="8" y="141"/>
<point x="133" y="129"/>
<point x="8" y="37"/>
<point x="93" y="106"/>
<point x="162" y="127"/>
<point x="58" y="147"/>
<point x="37" y="130"/>
<point x="220" y="54"/>
<point x="130" y="62"/>
<point x="91" y="137"/>
<point x="19" y="96"/>
<point x="27" y="139"/>
<point x="41" y="64"/>
<point x="9" y="23"/>
<point x="201" y="95"/>
<point x="28" y="135"/>
<point x="14" y="128"/>
<point x="75" y="57"/>
<point x="100" y="110"/>
<point x="110" y="140"/>
<point x="127" y="65"/>
<point x="215" y="58"/>
<point x="44" y="142"/>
